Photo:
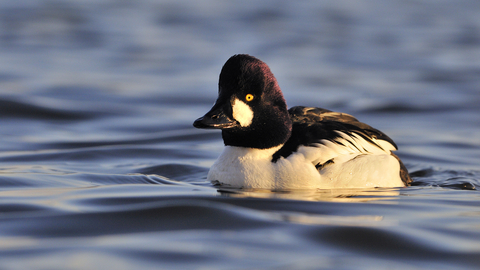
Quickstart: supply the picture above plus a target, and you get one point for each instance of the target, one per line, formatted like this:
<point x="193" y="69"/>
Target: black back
<point x="311" y="125"/>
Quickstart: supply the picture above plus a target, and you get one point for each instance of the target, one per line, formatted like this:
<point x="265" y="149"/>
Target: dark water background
<point x="100" y="167"/>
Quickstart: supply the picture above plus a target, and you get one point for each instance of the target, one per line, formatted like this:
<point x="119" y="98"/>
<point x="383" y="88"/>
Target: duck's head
<point x="250" y="108"/>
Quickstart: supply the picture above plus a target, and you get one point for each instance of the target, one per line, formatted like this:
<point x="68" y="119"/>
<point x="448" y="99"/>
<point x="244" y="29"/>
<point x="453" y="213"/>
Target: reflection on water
<point x="100" y="167"/>
<point x="361" y="221"/>
<point x="334" y="195"/>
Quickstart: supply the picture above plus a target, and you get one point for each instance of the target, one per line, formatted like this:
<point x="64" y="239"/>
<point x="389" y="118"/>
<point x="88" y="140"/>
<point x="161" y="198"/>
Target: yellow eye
<point x="249" y="97"/>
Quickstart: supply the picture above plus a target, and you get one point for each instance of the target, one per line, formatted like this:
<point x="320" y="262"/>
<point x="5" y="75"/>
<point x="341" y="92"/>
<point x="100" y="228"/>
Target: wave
<point x="133" y="221"/>
<point x="10" y="108"/>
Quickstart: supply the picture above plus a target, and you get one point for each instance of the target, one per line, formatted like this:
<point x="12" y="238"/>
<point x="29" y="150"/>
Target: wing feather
<point x="341" y="132"/>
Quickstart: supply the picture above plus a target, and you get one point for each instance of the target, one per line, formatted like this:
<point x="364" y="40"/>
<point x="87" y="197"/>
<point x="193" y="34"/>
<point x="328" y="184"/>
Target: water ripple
<point x="21" y="109"/>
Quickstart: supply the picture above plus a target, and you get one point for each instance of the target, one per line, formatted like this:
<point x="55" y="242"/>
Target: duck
<point x="268" y="146"/>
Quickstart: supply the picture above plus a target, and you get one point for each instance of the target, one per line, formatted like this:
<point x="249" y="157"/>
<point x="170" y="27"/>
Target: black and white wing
<point x="338" y="133"/>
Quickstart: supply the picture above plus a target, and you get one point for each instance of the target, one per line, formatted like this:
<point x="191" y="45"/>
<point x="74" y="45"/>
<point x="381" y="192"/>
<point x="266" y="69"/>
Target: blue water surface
<point x="100" y="167"/>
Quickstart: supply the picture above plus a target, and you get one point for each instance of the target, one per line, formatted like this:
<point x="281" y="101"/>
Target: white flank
<point x="242" y="113"/>
<point x="241" y="167"/>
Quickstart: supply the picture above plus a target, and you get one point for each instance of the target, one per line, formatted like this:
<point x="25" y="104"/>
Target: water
<point x="100" y="167"/>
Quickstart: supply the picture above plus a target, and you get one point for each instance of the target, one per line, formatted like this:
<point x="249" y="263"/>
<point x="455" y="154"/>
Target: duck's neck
<point x="272" y="132"/>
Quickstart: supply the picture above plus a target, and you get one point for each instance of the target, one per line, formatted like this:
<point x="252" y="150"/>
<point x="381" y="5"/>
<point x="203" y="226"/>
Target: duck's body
<point x="268" y="147"/>
<point x="317" y="155"/>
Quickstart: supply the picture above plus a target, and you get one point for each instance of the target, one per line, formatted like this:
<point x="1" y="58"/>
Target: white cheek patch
<point x="242" y="113"/>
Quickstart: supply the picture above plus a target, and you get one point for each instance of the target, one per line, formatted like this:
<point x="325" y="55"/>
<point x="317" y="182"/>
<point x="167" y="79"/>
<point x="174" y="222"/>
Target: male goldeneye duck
<point x="270" y="147"/>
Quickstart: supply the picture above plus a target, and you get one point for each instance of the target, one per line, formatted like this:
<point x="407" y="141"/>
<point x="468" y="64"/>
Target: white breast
<point x="241" y="167"/>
